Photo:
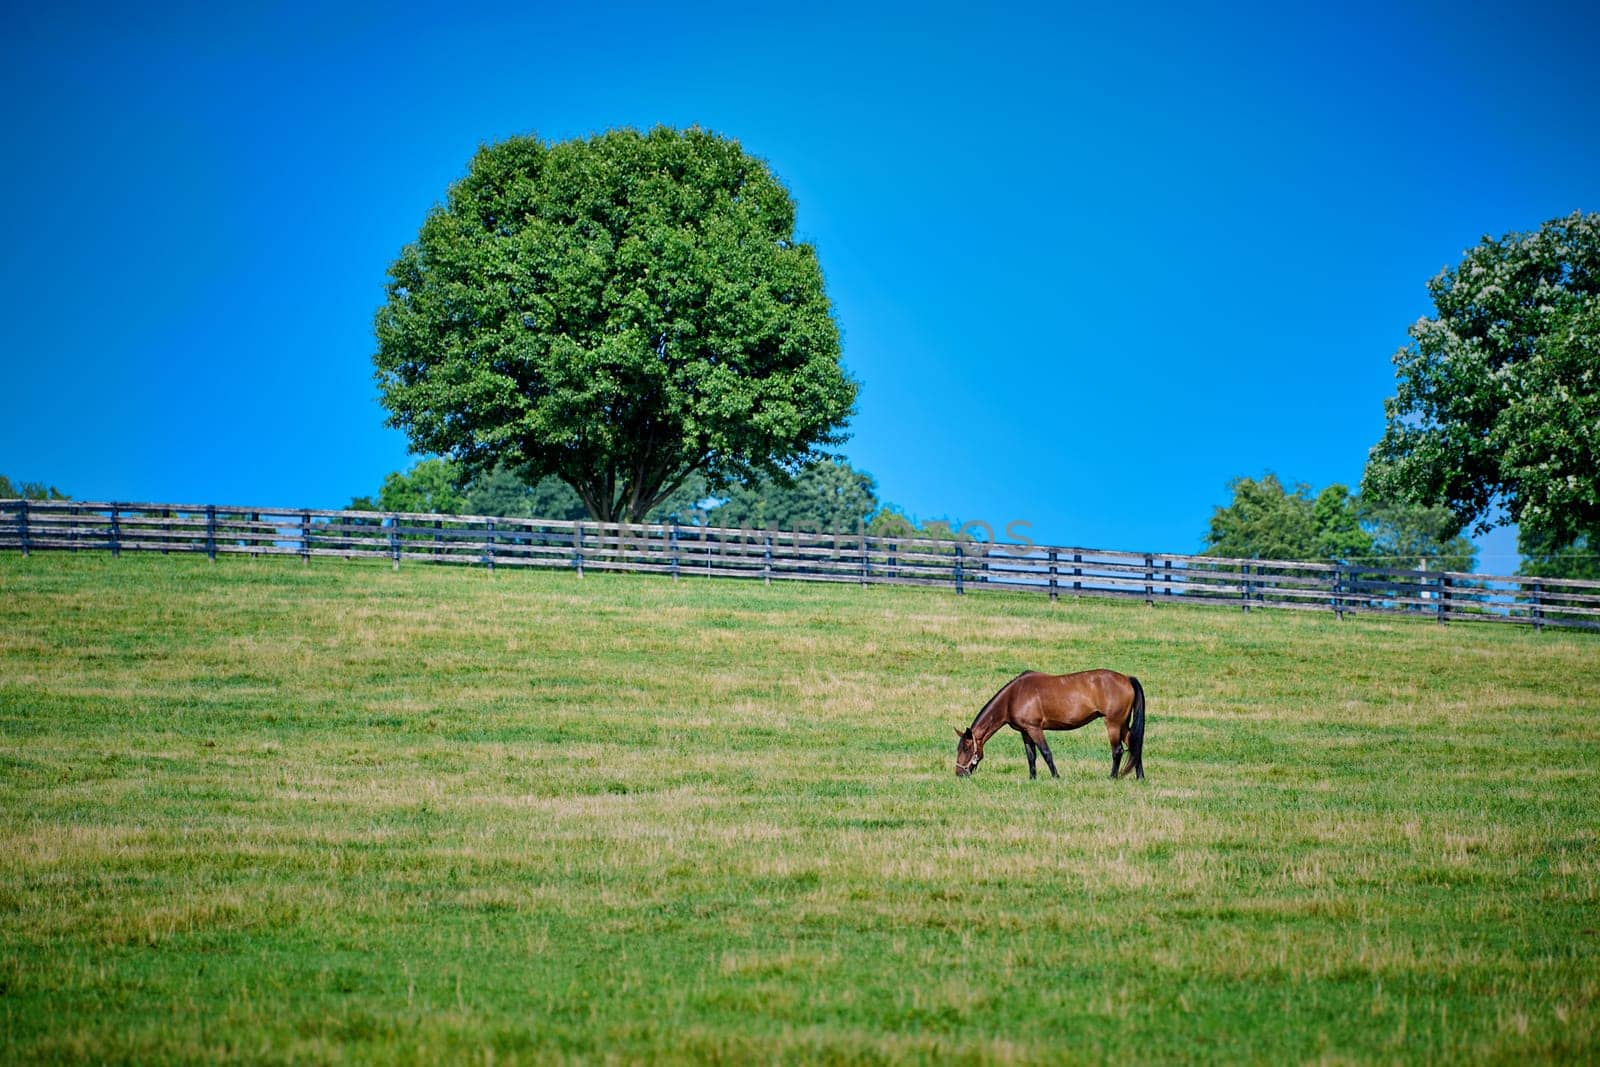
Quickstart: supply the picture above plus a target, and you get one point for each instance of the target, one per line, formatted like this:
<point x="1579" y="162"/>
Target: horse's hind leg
<point x="1115" y="734"/>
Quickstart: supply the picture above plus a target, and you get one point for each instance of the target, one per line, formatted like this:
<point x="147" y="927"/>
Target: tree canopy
<point x="622" y="313"/>
<point x="1496" y="416"/>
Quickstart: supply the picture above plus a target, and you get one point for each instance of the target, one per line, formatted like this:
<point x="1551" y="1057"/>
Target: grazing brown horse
<point x="1032" y="703"/>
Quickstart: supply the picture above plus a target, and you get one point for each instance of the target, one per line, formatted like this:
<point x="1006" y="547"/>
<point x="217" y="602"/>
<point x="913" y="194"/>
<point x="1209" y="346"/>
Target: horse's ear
<point x="957" y="729"/>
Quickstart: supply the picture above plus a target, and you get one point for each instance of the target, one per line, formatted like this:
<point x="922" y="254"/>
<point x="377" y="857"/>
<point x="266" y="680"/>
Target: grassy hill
<point x="269" y="812"/>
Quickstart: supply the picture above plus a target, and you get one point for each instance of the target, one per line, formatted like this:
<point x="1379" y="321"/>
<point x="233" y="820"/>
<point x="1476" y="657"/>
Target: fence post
<point x="489" y="549"/>
<point x="305" y="537"/>
<point x="394" y="540"/>
<point x="1245" y="585"/>
<point x="577" y="547"/>
<point x="1443" y="607"/>
<point x="1077" y="573"/>
<point x="211" y="532"/>
<point x="1149" y="581"/>
<point x="674" y="547"/>
<point x="22" y="525"/>
<point x="1054" y="591"/>
<point x="116" y="533"/>
<point x="894" y="560"/>
<point x="438" y="538"/>
<point x="1167" y="588"/>
<point x="863" y="535"/>
<point x="255" y="534"/>
<point x="766" y="558"/>
<point x="1538" y="606"/>
<point x="959" y="590"/>
<point x="1338" y="601"/>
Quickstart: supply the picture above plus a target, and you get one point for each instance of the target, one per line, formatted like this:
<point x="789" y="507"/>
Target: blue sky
<point x="1088" y="265"/>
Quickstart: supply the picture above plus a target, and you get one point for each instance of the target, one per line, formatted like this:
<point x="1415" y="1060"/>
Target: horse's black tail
<point x="1136" y="730"/>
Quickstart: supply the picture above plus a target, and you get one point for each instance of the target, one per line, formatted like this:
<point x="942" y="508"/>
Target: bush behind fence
<point x="774" y="555"/>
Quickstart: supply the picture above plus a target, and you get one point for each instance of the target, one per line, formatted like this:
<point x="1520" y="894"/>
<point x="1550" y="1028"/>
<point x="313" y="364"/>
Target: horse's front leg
<point x="1033" y="756"/>
<point x="1036" y="735"/>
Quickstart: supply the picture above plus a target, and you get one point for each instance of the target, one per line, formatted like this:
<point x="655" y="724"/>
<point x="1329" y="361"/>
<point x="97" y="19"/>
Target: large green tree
<point x="1496" y="416"/>
<point x="622" y="312"/>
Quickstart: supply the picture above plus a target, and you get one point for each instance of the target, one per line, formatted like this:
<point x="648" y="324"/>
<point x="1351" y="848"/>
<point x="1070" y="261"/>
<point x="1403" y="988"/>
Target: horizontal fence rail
<point x="772" y="555"/>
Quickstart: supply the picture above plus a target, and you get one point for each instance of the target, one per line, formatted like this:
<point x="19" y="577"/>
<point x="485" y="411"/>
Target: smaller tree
<point x="947" y="530"/>
<point x="1411" y="535"/>
<point x="825" y="497"/>
<point x="436" y="486"/>
<point x="29" y="491"/>
<point x="1264" y="521"/>
<point x="684" y="504"/>
<point x="1267" y="521"/>
<point x="890" y="521"/>
<point x="430" y="487"/>
<point x="1336" y="517"/>
<point x="500" y="492"/>
<point x="1544" y="556"/>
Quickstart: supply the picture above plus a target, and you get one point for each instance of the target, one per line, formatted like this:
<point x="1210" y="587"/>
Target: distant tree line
<point x="825" y="496"/>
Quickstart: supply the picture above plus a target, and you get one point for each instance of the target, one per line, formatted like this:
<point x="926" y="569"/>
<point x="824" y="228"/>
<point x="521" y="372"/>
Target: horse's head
<point x="968" y="753"/>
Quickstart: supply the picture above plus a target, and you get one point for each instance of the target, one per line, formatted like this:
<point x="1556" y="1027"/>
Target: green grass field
<point x="270" y="812"/>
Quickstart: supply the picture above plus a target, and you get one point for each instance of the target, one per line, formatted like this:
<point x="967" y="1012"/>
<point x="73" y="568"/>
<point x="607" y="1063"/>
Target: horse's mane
<point x="992" y="699"/>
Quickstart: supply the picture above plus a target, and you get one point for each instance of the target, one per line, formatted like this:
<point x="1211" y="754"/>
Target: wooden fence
<point x="771" y="555"/>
